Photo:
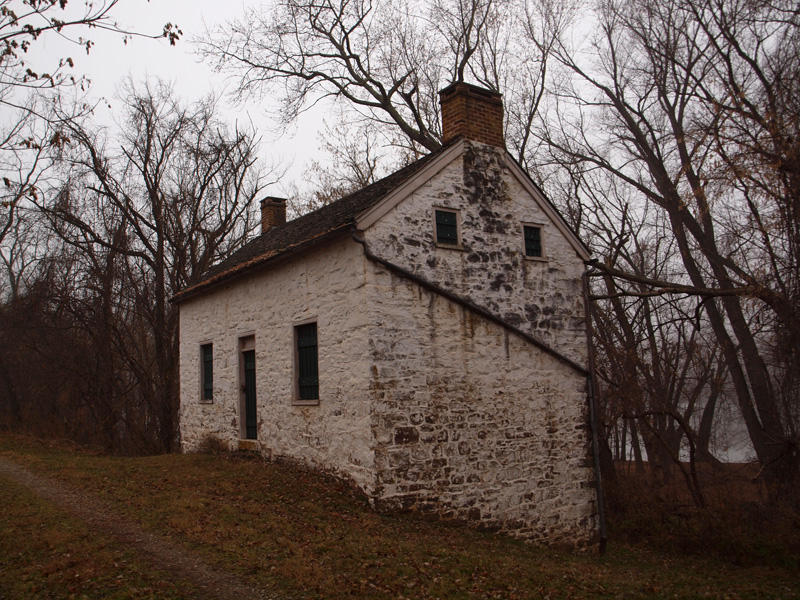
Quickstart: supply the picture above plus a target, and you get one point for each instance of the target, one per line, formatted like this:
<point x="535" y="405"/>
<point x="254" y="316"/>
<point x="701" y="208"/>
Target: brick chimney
<point x="273" y="213"/>
<point x="474" y="112"/>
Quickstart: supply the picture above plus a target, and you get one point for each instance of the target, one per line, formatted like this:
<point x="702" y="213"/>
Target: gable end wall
<point x="469" y="420"/>
<point x="542" y="297"/>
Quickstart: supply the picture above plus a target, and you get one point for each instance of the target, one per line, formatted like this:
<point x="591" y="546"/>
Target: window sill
<point x="451" y="247"/>
<point x="206" y="401"/>
<point x="297" y="402"/>
<point x="537" y="258"/>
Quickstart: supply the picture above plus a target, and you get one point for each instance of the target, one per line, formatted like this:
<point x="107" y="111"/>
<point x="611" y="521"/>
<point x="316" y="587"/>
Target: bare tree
<point x="686" y="105"/>
<point x="24" y="22"/>
<point x="147" y="214"/>
<point x="386" y="60"/>
<point x="660" y="374"/>
<point x="356" y="155"/>
<point x="33" y="91"/>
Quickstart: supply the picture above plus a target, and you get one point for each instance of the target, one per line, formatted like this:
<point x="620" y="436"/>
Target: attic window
<point x="533" y="241"/>
<point x="446" y="227"/>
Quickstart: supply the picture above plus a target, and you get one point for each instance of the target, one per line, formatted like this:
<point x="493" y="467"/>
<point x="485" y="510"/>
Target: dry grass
<point x="44" y="553"/>
<point x="293" y="531"/>
<point x="739" y="525"/>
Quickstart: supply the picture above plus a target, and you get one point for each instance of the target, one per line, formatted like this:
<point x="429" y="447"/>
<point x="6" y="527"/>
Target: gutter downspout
<point x="593" y="419"/>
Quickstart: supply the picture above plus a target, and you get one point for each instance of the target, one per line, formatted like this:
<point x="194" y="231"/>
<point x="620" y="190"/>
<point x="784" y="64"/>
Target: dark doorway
<point x="247" y="379"/>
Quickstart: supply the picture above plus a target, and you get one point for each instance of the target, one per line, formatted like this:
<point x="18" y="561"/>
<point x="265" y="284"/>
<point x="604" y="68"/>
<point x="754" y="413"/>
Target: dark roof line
<point x="552" y="206"/>
<point x="268" y="258"/>
<point x="468" y="304"/>
<point x="304" y="230"/>
<point x="300" y="233"/>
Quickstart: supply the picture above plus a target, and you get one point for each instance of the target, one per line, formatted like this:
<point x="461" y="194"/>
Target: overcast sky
<point x="111" y="61"/>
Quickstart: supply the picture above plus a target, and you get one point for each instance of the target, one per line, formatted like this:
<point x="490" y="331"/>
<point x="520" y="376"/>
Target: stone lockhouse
<point x="423" y="337"/>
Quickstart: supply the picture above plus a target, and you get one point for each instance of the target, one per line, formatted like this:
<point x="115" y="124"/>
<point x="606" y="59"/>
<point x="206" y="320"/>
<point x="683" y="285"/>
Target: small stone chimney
<point x="273" y="213"/>
<point x="473" y="112"/>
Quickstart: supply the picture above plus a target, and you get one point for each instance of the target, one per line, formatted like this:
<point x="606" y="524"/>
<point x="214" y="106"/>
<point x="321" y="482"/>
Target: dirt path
<point x="153" y="549"/>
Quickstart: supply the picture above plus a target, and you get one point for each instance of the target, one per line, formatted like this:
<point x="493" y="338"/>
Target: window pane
<point x="207" y="357"/>
<point x="446" y="227"/>
<point x="307" y="375"/>
<point x="533" y="241"/>
<point x="445" y="217"/>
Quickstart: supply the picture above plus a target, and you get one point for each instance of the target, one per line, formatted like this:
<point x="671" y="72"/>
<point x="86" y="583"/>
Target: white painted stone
<point x="423" y="403"/>
<point x="496" y="432"/>
<point x="324" y="285"/>
<point x="542" y="297"/>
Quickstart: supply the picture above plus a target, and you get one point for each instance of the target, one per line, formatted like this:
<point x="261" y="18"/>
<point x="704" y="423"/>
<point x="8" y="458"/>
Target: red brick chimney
<point x="273" y="213"/>
<point x="474" y="112"/>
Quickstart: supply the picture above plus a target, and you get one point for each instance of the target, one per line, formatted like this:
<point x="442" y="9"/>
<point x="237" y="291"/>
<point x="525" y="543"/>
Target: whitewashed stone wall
<point x="326" y="285"/>
<point x="423" y="404"/>
<point x="473" y="422"/>
<point x="544" y="298"/>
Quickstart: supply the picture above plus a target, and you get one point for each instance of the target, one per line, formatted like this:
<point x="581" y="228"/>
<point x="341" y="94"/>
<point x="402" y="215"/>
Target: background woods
<point x="668" y="136"/>
<point x="702" y="149"/>
<point x="134" y="218"/>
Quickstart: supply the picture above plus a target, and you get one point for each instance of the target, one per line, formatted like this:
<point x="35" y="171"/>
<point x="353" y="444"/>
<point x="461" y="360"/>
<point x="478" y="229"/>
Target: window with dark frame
<point x="533" y="241"/>
<point x="307" y="366"/>
<point x="447" y="227"/>
<point x="207" y="367"/>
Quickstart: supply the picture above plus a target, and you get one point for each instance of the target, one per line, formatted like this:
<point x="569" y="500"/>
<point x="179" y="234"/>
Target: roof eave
<point x="373" y="214"/>
<point x="547" y="206"/>
<point x="257" y="263"/>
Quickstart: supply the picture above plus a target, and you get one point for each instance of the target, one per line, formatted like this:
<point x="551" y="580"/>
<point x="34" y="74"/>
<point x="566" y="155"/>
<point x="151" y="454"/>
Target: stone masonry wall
<point x="326" y="285"/>
<point x="423" y="404"/>
<point x="543" y="297"/>
<point x="472" y="422"/>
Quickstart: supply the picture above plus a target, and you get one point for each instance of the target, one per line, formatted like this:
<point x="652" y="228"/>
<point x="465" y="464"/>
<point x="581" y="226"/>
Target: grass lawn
<point x="301" y="534"/>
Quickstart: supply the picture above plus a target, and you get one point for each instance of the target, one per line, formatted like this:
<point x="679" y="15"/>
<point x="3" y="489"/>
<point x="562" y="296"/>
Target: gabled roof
<point x="305" y="231"/>
<point x="547" y="206"/>
<point x="361" y="208"/>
